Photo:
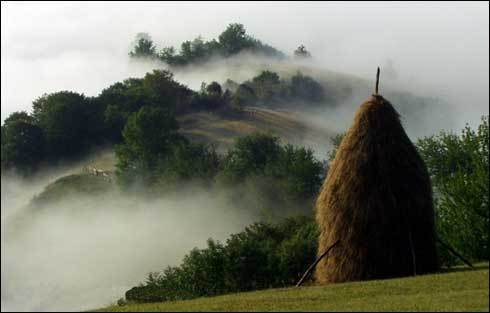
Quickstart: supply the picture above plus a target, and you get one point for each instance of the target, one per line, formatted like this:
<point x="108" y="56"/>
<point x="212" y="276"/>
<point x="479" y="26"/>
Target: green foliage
<point x="250" y="155"/>
<point x="280" y="173"/>
<point x="143" y="47"/>
<point x="231" y="41"/>
<point x="148" y="136"/>
<point x="230" y="85"/>
<point x="162" y="90"/>
<point x="214" y="89"/>
<point x="212" y="99"/>
<point x="306" y="88"/>
<point x="189" y="161"/>
<point x="299" y="172"/>
<point x="22" y="143"/>
<point x="234" y="39"/>
<point x="71" y="123"/>
<point x="266" y="86"/>
<point x="335" y="141"/>
<point x="243" y="96"/>
<point x="267" y="89"/>
<point x="19" y="116"/>
<point x="262" y="256"/>
<point x="158" y="89"/>
<point x="458" y="166"/>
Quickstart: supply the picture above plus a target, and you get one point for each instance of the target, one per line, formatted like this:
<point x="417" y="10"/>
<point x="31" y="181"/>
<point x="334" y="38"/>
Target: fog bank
<point x="85" y="252"/>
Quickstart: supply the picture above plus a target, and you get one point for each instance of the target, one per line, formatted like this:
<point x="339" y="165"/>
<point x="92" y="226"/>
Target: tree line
<point x="232" y="41"/>
<point x="64" y="125"/>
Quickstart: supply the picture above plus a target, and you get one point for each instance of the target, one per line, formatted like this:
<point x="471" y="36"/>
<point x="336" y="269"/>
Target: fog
<point x="85" y="252"/>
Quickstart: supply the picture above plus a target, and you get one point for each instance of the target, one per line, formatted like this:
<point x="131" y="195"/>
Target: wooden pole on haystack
<point x="312" y="266"/>
<point x="459" y="256"/>
<point x="377" y="82"/>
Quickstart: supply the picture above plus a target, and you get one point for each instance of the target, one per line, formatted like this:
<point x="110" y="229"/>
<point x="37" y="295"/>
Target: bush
<point x="71" y="123"/>
<point x="250" y="155"/>
<point x="22" y="144"/>
<point x="267" y="89"/>
<point x="459" y="167"/>
<point x="262" y="256"/>
<point x="149" y="136"/>
<point x="293" y="172"/>
<point x="189" y="161"/>
<point x="306" y="88"/>
<point x="231" y="41"/>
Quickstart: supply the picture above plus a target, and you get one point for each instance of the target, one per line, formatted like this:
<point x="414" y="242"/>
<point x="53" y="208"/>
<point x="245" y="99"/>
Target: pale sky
<point x="83" y="47"/>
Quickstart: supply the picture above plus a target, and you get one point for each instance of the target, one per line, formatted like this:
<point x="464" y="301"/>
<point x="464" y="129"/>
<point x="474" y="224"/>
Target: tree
<point x="188" y="161"/>
<point x="214" y="88"/>
<point x="243" y="96"/>
<point x="70" y="121"/>
<point x="335" y="142"/>
<point x="300" y="173"/>
<point x="120" y="100"/>
<point x="231" y="41"/>
<point x="143" y="47"/>
<point x="161" y="90"/>
<point x="250" y="155"/>
<point x="459" y="167"/>
<point x="301" y="52"/>
<point x="19" y="116"/>
<point x="267" y="86"/>
<point x="266" y="77"/>
<point x="234" y="39"/>
<point x="22" y="143"/>
<point x="148" y="137"/>
<point x="199" y="49"/>
<point x="306" y="88"/>
<point x="167" y="54"/>
<point x="262" y="256"/>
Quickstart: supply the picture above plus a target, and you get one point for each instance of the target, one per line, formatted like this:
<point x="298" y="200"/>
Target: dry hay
<point x="377" y="201"/>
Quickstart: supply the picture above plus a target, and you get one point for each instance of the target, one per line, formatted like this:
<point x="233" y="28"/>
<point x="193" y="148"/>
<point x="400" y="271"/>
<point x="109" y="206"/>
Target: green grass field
<point x="460" y="289"/>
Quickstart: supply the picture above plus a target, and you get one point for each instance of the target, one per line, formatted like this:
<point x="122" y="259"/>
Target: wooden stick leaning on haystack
<point x="312" y="266"/>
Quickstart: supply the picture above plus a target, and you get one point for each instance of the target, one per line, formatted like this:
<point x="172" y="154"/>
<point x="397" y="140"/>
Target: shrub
<point x="262" y="256"/>
<point x="459" y="167"/>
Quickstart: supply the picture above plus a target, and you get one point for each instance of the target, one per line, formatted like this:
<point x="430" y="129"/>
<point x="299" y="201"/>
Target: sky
<point x="438" y="47"/>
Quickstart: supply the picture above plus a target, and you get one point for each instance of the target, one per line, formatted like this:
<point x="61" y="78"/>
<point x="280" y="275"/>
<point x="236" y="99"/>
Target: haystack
<point x="376" y="203"/>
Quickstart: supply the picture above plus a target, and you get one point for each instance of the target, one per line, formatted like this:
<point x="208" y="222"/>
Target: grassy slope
<point x="221" y="131"/>
<point x="70" y="185"/>
<point x="460" y="290"/>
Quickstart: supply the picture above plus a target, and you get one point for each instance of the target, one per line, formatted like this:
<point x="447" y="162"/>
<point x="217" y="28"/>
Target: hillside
<point x="222" y="131"/>
<point x="459" y="290"/>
